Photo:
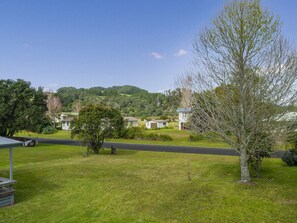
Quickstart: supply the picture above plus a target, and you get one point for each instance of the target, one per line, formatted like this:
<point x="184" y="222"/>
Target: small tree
<point x="96" y="122"/>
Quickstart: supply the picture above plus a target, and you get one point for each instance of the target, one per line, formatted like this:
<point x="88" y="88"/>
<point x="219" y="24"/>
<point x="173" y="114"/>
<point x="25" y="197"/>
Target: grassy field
<point x="57" y="184"/>
<point x="180" y="138"/>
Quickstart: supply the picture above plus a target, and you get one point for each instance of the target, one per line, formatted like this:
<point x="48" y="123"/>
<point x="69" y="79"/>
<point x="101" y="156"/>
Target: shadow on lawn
<point x="119" y="152"/>
<point x="29" y="185"/>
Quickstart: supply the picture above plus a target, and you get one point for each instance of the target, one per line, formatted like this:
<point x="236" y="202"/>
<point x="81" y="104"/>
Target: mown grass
<point x="180" y="138"/>
<point x="202" y="143"/>
<point x="60" y="134"/>
<point x="57" y="184"/>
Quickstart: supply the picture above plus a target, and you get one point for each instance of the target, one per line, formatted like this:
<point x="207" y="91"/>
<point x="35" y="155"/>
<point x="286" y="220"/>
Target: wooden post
<point x="189" y="171"/>
<point x="113" y="150"/>
<point x="11" y="175"/>
<point x="10" y="164"/>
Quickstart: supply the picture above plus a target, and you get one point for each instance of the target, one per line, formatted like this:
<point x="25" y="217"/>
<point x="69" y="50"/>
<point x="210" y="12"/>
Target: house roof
<point x="7" y="143"/>
<point x="68" y="119"/>
<point x="184" y="110"/>
<point x="131" y="119"/>
<point x="156" y="121"/>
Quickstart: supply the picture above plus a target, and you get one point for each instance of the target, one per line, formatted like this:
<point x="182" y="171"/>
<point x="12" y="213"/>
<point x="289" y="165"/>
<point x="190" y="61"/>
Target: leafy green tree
<point x="22" y="107"/>
<point x="95" y="123"/>
<point x="131" y="100"/>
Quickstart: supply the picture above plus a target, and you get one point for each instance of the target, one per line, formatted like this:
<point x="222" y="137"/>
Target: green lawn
<point x="180" y="138"/>
<point x="58" y="135"/>
<point x="57" y="184"/>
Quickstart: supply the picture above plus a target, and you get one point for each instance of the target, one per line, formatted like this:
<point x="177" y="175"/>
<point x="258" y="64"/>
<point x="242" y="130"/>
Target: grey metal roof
<point x="184" y="110"/>
<point x="131" y="119"/>
<point x="7" y="143"/>
<point x="158" y="121"/>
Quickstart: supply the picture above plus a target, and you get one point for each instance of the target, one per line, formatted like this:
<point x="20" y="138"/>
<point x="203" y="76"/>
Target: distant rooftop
<point x="130" y="118"/>
<point x="184" y="110"/>
<point x="158" y="121"/>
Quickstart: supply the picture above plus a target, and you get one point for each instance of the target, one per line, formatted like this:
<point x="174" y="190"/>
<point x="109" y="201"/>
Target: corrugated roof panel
<point x="6" y="142"/>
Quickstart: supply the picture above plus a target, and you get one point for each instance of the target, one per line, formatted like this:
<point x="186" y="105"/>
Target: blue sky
<point x="86" y="43"/>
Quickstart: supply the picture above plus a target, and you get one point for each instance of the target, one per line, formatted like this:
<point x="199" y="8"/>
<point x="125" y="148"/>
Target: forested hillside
<point x="130" y="100"/>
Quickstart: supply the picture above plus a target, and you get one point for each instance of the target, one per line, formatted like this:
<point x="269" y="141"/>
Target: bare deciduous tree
<point x="186" y="91"/>
<point x="54" y="106"/>
<point x="77" y="106"/>
<point x="245" y="76"/>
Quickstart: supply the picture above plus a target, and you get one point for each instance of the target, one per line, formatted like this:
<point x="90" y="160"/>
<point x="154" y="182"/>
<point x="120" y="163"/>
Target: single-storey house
<point x="131" y="121"/>
<point x="66" y="123"/>
<point x="183" y="118"/>
<point x="156" y="124"/>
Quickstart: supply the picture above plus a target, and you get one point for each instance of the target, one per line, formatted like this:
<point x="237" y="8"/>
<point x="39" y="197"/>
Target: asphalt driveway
<point x="155" y="148"/>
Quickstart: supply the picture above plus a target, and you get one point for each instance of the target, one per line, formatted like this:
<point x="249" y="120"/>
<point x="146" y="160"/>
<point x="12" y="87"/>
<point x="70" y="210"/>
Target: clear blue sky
<point x="146" y="43"/>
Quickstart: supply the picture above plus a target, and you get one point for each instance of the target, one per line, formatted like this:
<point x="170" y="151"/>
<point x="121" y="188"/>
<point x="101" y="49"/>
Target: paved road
<point x="155" y="148"/>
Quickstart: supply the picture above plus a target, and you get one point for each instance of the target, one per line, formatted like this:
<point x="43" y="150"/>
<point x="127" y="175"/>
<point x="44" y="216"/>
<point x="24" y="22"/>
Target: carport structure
<point x="6" y="184"/>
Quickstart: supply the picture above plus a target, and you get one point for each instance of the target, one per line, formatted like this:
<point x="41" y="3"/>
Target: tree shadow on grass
<point x="29" y="184"/>
<point x="119" y="152"/>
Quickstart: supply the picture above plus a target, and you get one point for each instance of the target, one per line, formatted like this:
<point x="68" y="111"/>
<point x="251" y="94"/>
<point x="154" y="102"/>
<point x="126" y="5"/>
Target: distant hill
<point x="131" y="100"/>
<point x="128" y="89"/>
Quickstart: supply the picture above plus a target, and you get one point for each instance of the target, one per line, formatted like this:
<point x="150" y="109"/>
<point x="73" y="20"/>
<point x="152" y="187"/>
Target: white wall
<point x="182" y="118"/>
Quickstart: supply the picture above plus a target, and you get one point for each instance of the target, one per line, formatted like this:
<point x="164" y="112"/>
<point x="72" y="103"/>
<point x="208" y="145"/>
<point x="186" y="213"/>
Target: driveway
<point x="156" y="148"/>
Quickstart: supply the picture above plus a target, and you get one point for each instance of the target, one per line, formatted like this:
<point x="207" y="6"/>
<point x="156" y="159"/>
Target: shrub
<point x="260" y="146"/>
<point x="195" y="138"/>
<point x="292" y="140"/>
<point x="49" y="130"/>
<point x="163" y="137"/>
<point x="164" y="117"/>
<point x="151" y="136"/>
<point x="290" y="158"/>
<point x="139" y="133"/>
<point x="133" y="133"/>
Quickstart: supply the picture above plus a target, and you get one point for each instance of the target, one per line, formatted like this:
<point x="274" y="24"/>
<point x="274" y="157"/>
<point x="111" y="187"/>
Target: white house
<point x="183" y="117"/>
<point x="66" y="118"/>
<point x="66" y="122"/>
<point x="131" y="121"/>
<point x="155" y="124"/>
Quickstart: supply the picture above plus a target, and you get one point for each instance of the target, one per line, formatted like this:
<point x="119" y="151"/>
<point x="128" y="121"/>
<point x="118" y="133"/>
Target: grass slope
<point x="56" y="184"/>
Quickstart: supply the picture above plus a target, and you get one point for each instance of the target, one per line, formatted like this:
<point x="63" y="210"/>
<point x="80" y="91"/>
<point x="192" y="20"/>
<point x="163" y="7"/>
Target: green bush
<point x="49" y="130"/>
<point x="151" y="136"/>
<point x="195" y="138"/>
<point x="260" y="147"/>
<point x="139" y="133"/>
<point x="290" y="158"/>
<point x="292" y="139"/>
<point x="163" y="137"/>
<point x="168" y="127"/>
<point x="133" y="133"/>
<point x="157" y="137"/>
<point x="163" y="117"/>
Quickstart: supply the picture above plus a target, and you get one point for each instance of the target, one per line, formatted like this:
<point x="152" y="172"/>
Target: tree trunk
<point x="244" y="167"/>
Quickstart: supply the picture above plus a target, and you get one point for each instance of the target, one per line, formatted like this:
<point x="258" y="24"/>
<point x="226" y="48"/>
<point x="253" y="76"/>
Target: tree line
<point x="130" y="100"/>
